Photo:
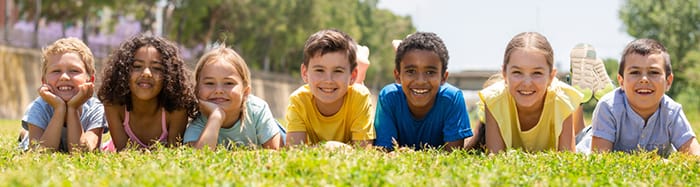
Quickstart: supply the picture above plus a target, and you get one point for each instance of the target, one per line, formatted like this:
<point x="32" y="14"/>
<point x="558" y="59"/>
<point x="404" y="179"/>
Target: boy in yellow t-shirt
<point x="330" y="107"/>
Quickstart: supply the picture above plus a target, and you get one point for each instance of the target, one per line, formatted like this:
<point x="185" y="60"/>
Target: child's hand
<point x="207" y="107"/>
<point x="46" y="93"/>
<point x="85" y="92"/>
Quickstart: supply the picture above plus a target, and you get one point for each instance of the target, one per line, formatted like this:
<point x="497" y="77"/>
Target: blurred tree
<point x="271" y="34"/>
<point x="676" y="24"/>
<point x="611" y="67"/>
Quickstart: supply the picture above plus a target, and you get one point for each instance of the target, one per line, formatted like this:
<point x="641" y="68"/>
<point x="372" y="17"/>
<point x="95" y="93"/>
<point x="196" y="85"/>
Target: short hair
<point x="530" y="40"/>
<point x="644" y="47"/>
<point x="422" y="41"/>
<point x="68" y="45"/>
<point x="328" y="41"/>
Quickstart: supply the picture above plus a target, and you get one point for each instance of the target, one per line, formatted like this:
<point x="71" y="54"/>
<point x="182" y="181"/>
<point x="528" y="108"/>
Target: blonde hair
<point x="530" y="40"/>
<point x="68" y="45"/>
<point x="225" y="54"/>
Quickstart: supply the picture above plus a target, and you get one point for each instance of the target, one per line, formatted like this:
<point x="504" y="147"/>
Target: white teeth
<point x="65" y="88"/>
<point x="420" y="91"/>
<point x="329" y="90"/>
<point x="526" y="92"/>
<point x="144" y="85"/>
<point x="644" y="91"/>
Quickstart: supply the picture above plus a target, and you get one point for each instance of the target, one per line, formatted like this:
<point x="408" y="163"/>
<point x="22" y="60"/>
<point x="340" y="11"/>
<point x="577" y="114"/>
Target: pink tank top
<point x="133" y="137"/>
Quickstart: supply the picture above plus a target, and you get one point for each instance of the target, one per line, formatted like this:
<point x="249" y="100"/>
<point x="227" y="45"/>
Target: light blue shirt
<point x="259" y="127"/>
<point x="666" y="130"/>
<point x="39" y="114"/>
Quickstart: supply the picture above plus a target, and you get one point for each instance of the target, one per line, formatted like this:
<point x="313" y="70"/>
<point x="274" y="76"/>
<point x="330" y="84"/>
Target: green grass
<point x="318" y="167"/>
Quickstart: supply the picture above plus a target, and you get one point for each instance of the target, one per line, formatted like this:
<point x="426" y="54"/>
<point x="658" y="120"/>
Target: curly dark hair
<point x="422" y="41"/>
<point x="177" y="92"/>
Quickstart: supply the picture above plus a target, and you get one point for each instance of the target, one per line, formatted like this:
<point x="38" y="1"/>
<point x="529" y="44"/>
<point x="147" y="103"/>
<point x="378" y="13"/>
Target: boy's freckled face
<point x="329" y="77"/>
<point x="220" y="83"/>
<point x="420" y="76"/>
<point x="528" y="75"/>
<point x="146" y="78"/>
<point x="64" y="73"/>
<point x="644" y="82"/>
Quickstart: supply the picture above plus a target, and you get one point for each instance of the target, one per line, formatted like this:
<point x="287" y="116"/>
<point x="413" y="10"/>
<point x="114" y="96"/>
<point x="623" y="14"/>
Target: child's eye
<point x="516" y="72"/>
<point x="208" y="83"/>
<point x="634" y="72"/>
<point x="410" y="71"/>
<point x="318" y="70"/>
<point x="231" y="83"/>
<point x="338" y="71"/>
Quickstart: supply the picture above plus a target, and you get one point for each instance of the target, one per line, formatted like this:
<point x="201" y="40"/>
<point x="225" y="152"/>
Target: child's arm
<point x="273" y="143"/>
<point x="176" y="127"/>
<point x="454" y="145"/>
<point x="600" y="145"/>
<point x="75" y="135"/>
<point x="296" y="138"/>
<point x="51" y="136"/>
<point x="566" y="138"/>
<point x="494" y="140"/>
<point x="210" y="134"/>
<point x="691" y="147"/>
<point x="116" y="128"/>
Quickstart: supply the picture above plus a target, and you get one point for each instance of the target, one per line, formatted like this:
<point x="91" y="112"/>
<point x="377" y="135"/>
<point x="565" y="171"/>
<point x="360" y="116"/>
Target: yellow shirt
<point x="354" y="120"/>
<point x="560" y="102"/>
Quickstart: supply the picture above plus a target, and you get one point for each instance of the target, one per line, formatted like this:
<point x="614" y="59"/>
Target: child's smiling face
<point x="64" y="73"/>
<point x="329" y="76"/>
<point x="528" y="76"/>
<point x="146" y="77"/>
<point x="420" y="76"/>
<point x="220" y="83"/>
<point x="644" y="82"/>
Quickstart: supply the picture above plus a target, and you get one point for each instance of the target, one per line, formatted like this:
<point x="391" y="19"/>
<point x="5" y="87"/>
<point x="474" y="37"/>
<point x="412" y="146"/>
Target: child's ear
<point x="669" y="81"/>
<point x="353" y="76"/>
<point x="303" y="73"/>
<point x="246" y="91"/>
<point x="444" y="77"/>
<point x="620" y="80"/>
<point x="397" y="76"/>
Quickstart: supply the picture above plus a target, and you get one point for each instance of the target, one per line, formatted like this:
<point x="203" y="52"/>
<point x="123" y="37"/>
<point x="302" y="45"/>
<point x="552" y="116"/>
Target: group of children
<point x="146" y="98"/>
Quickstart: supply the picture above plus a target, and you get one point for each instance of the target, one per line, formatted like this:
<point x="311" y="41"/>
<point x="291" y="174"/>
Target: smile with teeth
<point x="644" y="91"/>
<point x="65" y="88"/>
<point x="419" y="91"/>
<point x="144" y="84"/>
<point x="327" y="90"/>
<point x="523" y="92"/>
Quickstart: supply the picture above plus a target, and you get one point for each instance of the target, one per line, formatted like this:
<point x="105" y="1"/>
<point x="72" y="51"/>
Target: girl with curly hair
<point x="146" y="93"/>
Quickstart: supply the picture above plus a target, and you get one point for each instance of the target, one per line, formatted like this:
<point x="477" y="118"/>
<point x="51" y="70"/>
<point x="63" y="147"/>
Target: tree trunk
<point x="37" y="16"/>
<point x="84" y="36"/>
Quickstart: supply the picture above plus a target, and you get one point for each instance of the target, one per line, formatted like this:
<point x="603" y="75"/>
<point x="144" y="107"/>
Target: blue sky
<point x="476" y="32"/>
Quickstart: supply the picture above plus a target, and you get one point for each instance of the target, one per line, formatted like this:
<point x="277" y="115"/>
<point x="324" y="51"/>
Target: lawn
<point x="318" y="167"/>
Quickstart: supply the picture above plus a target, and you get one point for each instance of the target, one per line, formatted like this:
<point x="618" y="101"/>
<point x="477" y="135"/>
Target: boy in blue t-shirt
<point x="421" y="110"/>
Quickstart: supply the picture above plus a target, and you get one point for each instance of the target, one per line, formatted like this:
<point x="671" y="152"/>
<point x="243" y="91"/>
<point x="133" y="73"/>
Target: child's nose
<point x="64" y="76"/>
<point x="146" y="72"/>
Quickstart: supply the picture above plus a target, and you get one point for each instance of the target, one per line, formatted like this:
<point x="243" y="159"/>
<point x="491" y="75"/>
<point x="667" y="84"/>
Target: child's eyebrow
<point x="536" y="68"/>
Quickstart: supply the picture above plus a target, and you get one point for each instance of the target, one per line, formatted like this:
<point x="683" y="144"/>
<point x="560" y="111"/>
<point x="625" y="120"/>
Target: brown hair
<point x="530" y="40"/>
<point x="177" y="88"/>
<point x="68" y="45"/>
<point x="644" y="47"/>
<point x="328" y="41"/>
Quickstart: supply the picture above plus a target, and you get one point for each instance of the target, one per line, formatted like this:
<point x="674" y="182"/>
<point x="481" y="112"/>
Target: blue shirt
<point x="615" y="121"/>
<point x="446" y="121"/>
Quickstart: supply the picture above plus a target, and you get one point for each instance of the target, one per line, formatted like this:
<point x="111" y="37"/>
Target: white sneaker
<point x="588" y="73"/>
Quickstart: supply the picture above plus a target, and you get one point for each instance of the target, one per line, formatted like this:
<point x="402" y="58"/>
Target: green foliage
<point x="270" y="35"/>
<point x="317" y="167"/>
<point x="676" y="24"/>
